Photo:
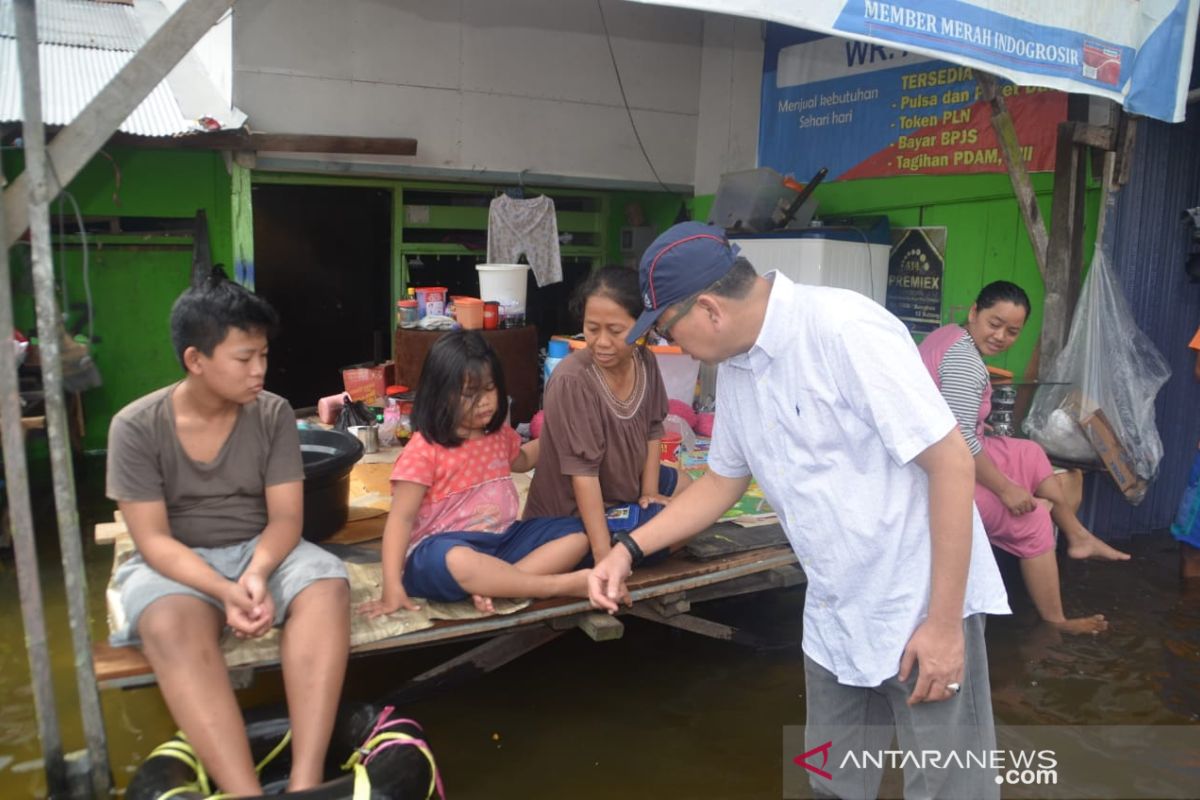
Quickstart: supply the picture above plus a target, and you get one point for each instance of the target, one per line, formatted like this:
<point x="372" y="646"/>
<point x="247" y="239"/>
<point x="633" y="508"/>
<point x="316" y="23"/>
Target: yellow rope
<point x="181" y="750"/>
<point x="279" y="748"/>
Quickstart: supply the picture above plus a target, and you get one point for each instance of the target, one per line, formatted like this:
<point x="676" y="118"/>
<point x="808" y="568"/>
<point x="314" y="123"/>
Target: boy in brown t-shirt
<point x="208" y="475"/>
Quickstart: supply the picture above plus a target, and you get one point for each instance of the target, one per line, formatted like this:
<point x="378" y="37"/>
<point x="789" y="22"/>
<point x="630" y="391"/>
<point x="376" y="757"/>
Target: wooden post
<point x="1010" y="150"/>
<point x="1064" y="256"/>
<point x="77" y="143"/>
<point x="16" y="476"/>
<point x="34" y="197"/>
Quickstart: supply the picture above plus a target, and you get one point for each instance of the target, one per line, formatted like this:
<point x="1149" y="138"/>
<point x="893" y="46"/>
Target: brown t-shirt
<point x="588" y="432"/>
<point x="211" y="504"/>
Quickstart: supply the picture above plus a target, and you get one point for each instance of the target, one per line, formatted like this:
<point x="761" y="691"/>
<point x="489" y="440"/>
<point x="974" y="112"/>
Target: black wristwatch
<point x="635" y="553"/>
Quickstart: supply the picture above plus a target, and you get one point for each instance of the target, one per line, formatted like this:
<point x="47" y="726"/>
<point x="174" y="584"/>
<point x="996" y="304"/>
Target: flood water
<point x="658" y="713"/>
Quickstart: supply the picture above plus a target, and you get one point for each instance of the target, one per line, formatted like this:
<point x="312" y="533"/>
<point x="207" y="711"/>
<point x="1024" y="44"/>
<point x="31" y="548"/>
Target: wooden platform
<point x="663" y="593"/>
<point x="724" y="561"/>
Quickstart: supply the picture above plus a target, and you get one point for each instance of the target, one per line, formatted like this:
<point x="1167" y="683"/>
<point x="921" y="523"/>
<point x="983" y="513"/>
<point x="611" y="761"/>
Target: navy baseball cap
<point x="685" y="259"/>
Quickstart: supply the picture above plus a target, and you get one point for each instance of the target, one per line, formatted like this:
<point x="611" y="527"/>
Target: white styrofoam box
<point x="852" y="265"/>
<point x="679" y="371"/>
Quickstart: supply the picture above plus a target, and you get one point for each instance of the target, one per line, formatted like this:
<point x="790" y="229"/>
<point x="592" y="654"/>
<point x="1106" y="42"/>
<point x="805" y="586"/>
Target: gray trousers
<point x="862" y="720"/>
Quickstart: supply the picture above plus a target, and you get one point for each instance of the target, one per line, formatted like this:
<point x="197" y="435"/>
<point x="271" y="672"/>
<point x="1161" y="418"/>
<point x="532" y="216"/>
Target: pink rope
<point x="383" y="724"/>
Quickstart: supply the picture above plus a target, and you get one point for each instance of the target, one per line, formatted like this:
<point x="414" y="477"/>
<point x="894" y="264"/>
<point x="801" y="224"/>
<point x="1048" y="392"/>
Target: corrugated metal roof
<point x="81" y="23"/>
<point x="72" y="76"/>
<point x="82" y="44"/>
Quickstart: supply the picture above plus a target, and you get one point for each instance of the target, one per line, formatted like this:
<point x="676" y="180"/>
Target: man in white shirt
<point x="821" y="395"/>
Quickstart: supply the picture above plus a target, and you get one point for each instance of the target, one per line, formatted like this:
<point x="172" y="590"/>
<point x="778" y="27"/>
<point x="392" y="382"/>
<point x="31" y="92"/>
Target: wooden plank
<point x="725" y="538"/>
<point x="671" y="604"/>
<point x="601" y="627"/>
<point x="125" y="667"/>
<point x="1010" y="150"/>
<point x="704" y="627"/>
<point x="1102" y="137"/>
<point x="253" y="141"/>
<point x="1126" y="137"/>
<point x="109" y="532"/>
<point x="489" y="656"/>
<point x="1064" y="256"/>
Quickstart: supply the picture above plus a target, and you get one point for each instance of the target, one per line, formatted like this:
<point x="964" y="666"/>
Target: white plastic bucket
<point x="503" y="282"/>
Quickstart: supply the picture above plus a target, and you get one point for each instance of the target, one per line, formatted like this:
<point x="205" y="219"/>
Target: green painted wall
<point x="659" y="208"/>
<point x="134" y="278"/>
<point x="985" y="240"/>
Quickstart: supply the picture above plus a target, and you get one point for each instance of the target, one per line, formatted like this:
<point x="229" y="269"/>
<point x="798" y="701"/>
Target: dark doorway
<point x="323" y="259"/>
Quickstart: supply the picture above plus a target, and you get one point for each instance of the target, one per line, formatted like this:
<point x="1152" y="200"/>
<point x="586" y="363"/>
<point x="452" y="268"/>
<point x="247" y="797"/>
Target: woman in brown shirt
<point x="605" y="406"/>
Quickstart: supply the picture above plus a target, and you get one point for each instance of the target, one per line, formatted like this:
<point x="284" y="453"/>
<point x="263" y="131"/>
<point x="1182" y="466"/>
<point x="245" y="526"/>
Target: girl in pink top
<point x="452" y="529"/>
<point x="1019" y="497"/>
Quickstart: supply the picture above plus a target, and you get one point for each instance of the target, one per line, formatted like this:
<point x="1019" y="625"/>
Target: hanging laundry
<point x="526" y="227"/>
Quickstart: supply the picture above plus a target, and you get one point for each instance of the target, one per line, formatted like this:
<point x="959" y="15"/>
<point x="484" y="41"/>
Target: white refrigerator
<point x="852" y="260"/>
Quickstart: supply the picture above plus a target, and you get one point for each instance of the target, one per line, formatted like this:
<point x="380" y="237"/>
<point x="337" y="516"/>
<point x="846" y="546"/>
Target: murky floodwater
<point x="658" y="713"/>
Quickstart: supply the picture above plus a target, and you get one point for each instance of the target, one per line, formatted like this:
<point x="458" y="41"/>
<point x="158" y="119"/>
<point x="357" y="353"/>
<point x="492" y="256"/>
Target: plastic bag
<point x="354" y="412"/>
<point x="1108" y="366"/>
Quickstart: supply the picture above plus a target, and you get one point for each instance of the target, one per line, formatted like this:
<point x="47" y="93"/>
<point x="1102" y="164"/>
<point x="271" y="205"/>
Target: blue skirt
<point x="1186" y="527"/>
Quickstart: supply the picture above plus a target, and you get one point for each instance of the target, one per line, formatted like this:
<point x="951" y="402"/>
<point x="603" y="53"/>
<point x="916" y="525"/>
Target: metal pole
<point x="16" y="475"/>
<point x="49" y="325"/>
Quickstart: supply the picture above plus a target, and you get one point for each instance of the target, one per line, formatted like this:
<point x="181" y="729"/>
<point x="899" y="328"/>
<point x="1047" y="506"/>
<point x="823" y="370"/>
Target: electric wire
<point x="625" y="100"/>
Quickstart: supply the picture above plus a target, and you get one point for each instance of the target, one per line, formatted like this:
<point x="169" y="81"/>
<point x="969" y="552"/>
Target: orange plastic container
<point x="469" y="312"/>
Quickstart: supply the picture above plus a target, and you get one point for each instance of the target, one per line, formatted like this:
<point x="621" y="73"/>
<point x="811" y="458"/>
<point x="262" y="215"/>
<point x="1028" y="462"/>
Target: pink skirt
<point x="1025" y="464"/>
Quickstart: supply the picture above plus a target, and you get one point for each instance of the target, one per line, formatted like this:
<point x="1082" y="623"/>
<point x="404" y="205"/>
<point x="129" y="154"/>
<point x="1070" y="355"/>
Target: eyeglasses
<point x="664" y="331"/>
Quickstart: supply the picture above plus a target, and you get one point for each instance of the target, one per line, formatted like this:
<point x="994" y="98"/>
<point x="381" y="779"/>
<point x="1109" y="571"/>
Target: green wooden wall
<point x="134" y="277"/>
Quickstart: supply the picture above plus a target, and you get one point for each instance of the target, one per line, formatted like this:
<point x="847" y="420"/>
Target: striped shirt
<point x="963" y="378"/>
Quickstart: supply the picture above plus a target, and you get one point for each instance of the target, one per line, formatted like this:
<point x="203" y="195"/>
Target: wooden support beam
<point x="1126" y="138"/>
<point x="704" y="627"/>
<point x="1010" y="150"/>
<point x="480" y="660"/>
<point x="1063" y="274"/>
<point x="671" y="604"/>
<point x="601" y="627"/>
<point x="1100" y="137"/>
<point x="243" y="140"/>
<point x="77" y="143"/>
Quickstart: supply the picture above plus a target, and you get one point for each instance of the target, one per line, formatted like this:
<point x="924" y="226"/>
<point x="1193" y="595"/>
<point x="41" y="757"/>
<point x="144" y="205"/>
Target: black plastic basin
<point x="328" y="458"/>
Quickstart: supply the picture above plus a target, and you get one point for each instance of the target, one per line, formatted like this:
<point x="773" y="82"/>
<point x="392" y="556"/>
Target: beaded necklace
<point x="624" y="409"/>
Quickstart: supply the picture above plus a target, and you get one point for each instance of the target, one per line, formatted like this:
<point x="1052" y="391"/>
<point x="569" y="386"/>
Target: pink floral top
<point x="470" y="487"/>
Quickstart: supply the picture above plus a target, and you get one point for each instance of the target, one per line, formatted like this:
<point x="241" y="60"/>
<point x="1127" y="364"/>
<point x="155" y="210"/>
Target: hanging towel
<point x="525" y="227"/>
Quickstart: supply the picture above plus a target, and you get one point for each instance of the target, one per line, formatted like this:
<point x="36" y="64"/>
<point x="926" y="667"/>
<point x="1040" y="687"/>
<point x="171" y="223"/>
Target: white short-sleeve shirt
<point x="828" y="410"/>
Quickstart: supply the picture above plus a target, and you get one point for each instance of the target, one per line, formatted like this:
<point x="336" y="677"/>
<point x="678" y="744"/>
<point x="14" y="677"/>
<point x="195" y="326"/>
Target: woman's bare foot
<point x="483" y="604"/>
<point x="1089" y="546"/>
<point x="1094" y="624"/>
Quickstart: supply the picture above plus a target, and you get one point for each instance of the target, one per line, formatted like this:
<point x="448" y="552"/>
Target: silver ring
<point x="954" y="687"/>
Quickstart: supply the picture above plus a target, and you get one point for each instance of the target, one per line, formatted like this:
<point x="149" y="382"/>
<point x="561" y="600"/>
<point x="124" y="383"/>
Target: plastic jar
<point x="406" y="313"/>
<point x="398" y="407"/>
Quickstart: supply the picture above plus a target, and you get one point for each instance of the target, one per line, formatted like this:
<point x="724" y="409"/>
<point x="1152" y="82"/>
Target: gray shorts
<point x="140" y="584"/>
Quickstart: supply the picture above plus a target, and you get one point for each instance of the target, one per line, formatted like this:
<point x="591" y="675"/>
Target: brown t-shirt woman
<point x="590" y="432"/>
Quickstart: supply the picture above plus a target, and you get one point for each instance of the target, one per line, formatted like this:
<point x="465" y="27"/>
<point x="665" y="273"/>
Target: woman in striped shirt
<point x="1018" y="495"/>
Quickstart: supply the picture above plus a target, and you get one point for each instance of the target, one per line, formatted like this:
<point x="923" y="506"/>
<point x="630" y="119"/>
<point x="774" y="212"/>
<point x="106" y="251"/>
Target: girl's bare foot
<point x="483" y="604"/>
<point x="1094" y="624"/>
<point x="1089" y="546"/>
